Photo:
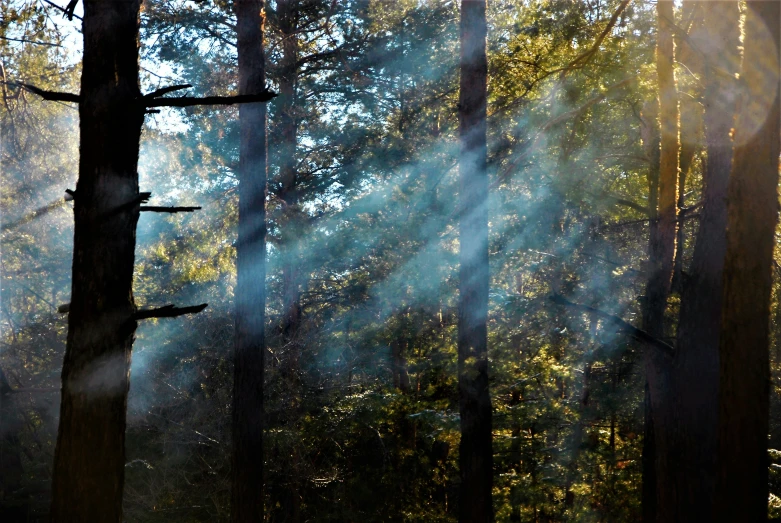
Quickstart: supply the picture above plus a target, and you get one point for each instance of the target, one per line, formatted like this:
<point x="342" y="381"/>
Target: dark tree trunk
<point x="248" y="418"/>
<point x="12" y="509"/>
<point x="650" y="136"/>
<point x="89" y="460"/>
<point x="475" y="459"/>
<point x="744" y="366"/>
<point x="696" y="364"/>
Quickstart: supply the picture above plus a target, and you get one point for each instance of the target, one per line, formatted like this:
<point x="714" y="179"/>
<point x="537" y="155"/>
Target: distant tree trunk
<point x="89" y="461"/>
<point x="287" y="20"/>
<point x="662" y="256"/>
<point x="475" y="459"/>
<point x="399" y="348"/>
<point x="650" y="135"/>
<point x="286" y="14"/>
<point x="696" y="363"/>
<point x="250" y="343"/>
<point x="744" y="366"/>
<point x="11" y="466"/>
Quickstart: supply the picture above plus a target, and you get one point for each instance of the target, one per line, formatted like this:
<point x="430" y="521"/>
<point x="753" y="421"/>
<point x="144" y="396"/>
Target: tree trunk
<point x="650" y="135"/>
<point x="662" y="256"/>
<point x="12" y="509"/>
<point x="696" y="364"/>
<point x="250" y="343"/>
<point x="89" y="460"/>
<point x="289" y="193"/>
<point x="287" y="14"/>
<point x="744" y="366"/>
<point x="475" y="458"/>
<point x="691" y="123"/>
<point x="399" y="348"/>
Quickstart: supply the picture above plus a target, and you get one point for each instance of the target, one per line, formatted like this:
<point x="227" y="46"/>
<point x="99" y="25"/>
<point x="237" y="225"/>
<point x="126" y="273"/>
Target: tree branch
<point x="50" y="95"/>
<point x="623" y="326"/>
<point x="165" y="90"/>
<point x="69" y="14"/>
<point x="581" y="60"/>
<point x="509" y="169"/>
<point x="141" y="197"/>
<point x="151" y="208"/>
<point x="168" y="311"/>
<point x="25" y="41"/>
<point x="189" y="101"/>
<point x="152" y="100"/>
<point x="625" y="202"/>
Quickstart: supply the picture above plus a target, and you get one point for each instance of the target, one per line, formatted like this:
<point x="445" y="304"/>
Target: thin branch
<point x="150" y="208"/>
<point x="165" y="90"/>
<point x="581" y="60"/>
<point x="509" y="169"/>
<point x="63" y="9"/>
<point x="189" y="101"/>
<point x="25" y="41"/>
<point x="622" y="325"/>
<point x="168" y="311"/>
<point x="625" y="202"/>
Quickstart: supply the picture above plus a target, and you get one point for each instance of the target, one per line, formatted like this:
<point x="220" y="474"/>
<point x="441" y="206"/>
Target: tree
<point x="744" y="371"/>
<point x="250" y="345"/>
<point x="695" y="374"/>
<point x="475" y="458"/>
<point x="659" y="502"/>
<point x="102" y="313"/>
<point x="89" y="459"/>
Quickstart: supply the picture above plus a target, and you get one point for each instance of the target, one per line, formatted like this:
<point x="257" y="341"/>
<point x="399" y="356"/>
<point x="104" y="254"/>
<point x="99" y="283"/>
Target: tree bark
<point x="248" y="418"/>
<point x="662" y="255"/>
<point x="691" y="121"/>
<point x="744" y="366"/>
<point x="89" y="460"/>
<point x="696" y="363"/>
<point x="475" y="458"/>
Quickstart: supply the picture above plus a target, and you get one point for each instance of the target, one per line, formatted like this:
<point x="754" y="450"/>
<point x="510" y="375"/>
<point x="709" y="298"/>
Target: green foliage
<point x="362" y="404"/>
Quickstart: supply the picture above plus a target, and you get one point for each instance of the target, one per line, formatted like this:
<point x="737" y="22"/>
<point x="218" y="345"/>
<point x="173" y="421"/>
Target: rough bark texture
<point x="475" y="457"/>
<point x="89" y="460"/>
<point x="662" y="256"/>
<point x="744" y="366"/>
<point x="696" y="364"/>
<point x="248" y="418"/>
